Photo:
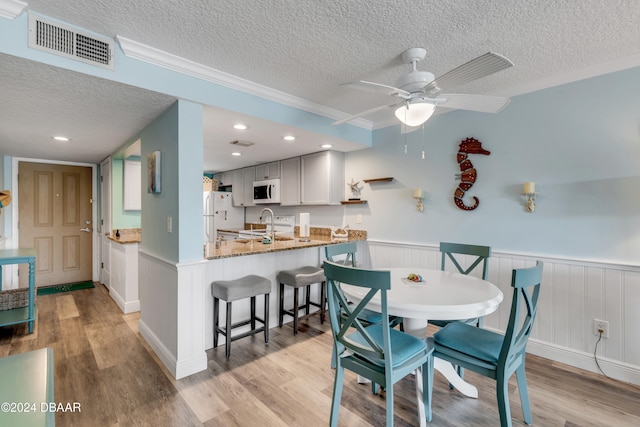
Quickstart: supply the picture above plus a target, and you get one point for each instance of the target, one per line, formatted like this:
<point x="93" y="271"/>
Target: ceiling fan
<point x="420" y="93"/>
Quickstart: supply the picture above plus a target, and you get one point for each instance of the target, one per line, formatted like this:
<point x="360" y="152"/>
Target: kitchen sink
<point x="259" y="239"/>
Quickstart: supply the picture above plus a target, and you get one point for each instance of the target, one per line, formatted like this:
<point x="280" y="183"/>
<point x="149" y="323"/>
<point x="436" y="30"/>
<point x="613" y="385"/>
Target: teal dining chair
<point x="449" y="252"/>
<point x="347" y="254"/>
<point x="378" y="352"/>
<point x="495" y="355"/>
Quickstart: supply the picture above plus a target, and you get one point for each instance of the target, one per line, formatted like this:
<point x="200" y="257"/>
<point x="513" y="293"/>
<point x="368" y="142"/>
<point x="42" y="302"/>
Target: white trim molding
<point x="181" y="65"/>
<point x="11" y="8"/>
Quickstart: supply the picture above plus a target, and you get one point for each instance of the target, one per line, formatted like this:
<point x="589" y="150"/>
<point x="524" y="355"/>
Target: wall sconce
<point x="417" y="194"/>
<point x="530" y="194"/>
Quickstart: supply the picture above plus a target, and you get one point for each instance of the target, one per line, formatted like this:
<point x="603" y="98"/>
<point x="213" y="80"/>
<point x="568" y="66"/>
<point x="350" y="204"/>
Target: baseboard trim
<point x="612" y="368"/>
<point x="178" y="368"/>
<point x="161" y="351"/>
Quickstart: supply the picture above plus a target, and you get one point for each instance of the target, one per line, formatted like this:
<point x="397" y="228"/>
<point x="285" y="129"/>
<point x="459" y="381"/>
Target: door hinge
<point x="101" y="178"/>
<point x="102" y="265"/>
<point x="102" y="222"/>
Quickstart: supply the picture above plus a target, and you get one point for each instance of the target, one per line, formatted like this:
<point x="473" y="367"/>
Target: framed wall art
<point x="154" y="172"/>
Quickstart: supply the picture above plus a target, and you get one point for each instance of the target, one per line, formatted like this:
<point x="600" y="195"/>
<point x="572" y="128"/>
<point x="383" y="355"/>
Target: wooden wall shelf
<point x="353" y="202"/>
<point x="374" y="180"/>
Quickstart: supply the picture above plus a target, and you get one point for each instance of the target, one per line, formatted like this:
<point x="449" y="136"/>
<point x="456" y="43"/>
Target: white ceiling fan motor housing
<point x="415" y="80"/>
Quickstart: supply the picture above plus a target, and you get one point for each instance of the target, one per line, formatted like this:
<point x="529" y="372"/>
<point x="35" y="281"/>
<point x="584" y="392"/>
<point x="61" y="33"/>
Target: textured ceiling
<point x="307" y="48"/>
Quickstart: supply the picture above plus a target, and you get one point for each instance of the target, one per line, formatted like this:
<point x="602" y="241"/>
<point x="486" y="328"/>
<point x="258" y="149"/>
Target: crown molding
<point x="154" y="56"/>
<point x="11" y="8"/>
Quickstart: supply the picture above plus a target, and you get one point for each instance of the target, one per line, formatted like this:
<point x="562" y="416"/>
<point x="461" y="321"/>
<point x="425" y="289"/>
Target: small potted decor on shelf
<point x="355" y="189"/>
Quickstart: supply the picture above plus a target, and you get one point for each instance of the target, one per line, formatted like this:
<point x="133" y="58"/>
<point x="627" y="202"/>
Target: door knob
<point x="86" y="230"/>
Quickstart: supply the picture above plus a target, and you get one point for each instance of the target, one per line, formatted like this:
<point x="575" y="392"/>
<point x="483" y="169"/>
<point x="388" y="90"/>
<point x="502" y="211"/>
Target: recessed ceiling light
<point x="240" y="126"/>
<point x="289" y="138"/>
<point x="235" y="153"/>
<point x="61" y="138"/>
<point x="326" y="146"/>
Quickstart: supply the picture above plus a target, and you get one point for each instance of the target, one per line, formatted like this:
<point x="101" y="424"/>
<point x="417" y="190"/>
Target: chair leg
<point x="228" y="331"/>
<point x="216" y="312"/>
<point x="307" y="299"/>
<point x="524" y="394"/>
<point x="427" y="387"/>
<point x="266" y="318"/>
<point x="502" y="391"/>
<point x="389" y="402"/>
<point x="296" y="308"/>
<point x="333" y="357"/>
<point x="337" y="396"/>
<point x="323" y="301"/>
<point x="281" y="306"/>
<point x="253" y="313"/>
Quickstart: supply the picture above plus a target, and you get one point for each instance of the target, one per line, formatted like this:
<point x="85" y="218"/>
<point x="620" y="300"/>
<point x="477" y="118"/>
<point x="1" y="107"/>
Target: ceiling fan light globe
<point x="415" y="114"/>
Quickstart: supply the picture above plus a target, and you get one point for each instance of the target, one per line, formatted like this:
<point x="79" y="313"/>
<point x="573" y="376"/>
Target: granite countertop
<point x="127" y="235"/>
<point x="242" y="247"/>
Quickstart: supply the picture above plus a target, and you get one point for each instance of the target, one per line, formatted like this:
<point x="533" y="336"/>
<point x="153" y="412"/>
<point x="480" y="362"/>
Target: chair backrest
<point x="349" y="249"/>
<point x="449" y="250"/>
<point x="342" y="327"/>
<point x="524" y="306"/>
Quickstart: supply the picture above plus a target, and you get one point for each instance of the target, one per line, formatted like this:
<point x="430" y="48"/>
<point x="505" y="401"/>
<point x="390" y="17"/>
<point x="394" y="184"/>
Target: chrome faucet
<point x="273" y="234"/>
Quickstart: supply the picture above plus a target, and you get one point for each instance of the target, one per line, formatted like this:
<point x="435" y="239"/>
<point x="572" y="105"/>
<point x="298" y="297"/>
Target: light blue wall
<point x="177" y="134"/>
<point x="580" y="144"/>
<point x="190" y="166"/>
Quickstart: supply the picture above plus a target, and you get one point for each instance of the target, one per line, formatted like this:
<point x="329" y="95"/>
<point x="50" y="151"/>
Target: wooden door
<point x="55" y="219"/>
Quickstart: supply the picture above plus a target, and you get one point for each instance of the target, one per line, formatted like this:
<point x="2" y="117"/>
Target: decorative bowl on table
<point x="412" y="279"/>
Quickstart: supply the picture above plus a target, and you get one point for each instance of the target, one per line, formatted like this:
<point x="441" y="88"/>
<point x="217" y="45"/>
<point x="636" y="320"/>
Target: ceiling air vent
<point x="242" y="143"/>
<point x="68" y="42"/>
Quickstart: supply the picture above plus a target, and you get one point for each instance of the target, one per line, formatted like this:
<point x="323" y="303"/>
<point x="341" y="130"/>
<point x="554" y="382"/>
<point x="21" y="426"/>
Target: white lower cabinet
<point x="124" y="276"/>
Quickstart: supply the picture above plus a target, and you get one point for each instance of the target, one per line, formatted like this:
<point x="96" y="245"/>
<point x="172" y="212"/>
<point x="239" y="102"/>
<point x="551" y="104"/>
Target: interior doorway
<point x="55" y="216"/>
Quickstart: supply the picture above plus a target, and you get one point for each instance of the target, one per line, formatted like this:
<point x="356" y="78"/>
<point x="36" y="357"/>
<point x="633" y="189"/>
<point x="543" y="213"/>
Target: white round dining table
<point x="441" y="295"/>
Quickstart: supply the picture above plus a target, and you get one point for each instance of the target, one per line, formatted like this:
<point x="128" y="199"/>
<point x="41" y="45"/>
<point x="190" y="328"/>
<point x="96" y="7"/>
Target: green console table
<point x="26" y="394"/>
<point x="22" y="314"/>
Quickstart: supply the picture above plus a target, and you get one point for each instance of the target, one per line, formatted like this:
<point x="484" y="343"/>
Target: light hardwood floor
<point x="102" y="362"/>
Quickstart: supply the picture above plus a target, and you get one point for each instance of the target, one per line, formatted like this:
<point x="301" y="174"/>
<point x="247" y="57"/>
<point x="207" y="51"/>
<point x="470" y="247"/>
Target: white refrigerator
<point x="219" y="213"/>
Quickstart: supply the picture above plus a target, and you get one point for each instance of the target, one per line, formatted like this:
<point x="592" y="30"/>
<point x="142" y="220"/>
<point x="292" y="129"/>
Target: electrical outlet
<point x="601" y="327"/>
<point x="169" y="224"/>
<point x="358" y="218"/>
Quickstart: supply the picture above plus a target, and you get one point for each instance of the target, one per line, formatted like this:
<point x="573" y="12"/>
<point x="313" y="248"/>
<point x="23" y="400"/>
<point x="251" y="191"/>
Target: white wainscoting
<point x="172" y="312"/>
<point x="573" y="293"/>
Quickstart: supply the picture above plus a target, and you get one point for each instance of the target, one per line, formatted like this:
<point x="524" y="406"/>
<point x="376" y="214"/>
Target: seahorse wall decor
<point x="468" y="173"/>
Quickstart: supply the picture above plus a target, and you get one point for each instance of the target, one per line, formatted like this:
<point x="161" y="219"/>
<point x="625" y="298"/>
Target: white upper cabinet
<point x="290" y="182"/>
<point x="237" y="190"/>
<point x="322" y="178"/>
<point x="132" y="185"/>
<point x="267" y="171"/>
<point x="248" y="175"/>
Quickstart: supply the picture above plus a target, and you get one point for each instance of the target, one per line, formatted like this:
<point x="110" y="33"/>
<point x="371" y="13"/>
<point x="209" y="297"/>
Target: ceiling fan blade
<point x="364" y="113"/>
<point x="475" y="69"/>
<point x="481" y="103"/>
<point x="377" y="88"/>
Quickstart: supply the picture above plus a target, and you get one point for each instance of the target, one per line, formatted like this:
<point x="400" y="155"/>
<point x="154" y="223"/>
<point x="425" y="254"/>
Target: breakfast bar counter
<point x="241" y="257"/>
<point x="242" y="247"/>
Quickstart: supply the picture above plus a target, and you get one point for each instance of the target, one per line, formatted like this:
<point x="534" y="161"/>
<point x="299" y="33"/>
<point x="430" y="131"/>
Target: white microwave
<point x="266" y="191"/>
